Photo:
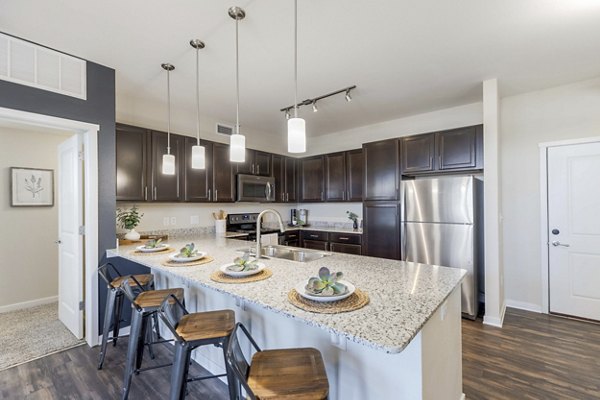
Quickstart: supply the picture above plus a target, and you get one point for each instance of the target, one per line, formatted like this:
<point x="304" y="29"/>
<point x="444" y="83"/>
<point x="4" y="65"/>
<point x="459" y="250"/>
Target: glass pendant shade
<point x="237" y="148"/>
<point x="296" y="135"/>
<point x="168" y="164"/>
<point x="198" y="157"/>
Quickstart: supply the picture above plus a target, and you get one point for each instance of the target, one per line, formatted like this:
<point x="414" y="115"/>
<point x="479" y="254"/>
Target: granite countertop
<point x="403" y="295"/>
<point x="323" y="229"/>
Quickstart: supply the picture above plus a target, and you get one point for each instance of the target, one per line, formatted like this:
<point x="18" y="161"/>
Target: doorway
<point x="80" y="301"/>
<point x="572" y="229"/>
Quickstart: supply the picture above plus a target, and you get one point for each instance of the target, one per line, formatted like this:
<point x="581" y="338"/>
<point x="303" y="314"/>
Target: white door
<point x="574" y="229"/>
<point x="70" y="254"/>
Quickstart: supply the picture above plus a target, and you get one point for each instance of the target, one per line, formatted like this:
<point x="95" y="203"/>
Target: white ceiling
<point x="406" y="57"/>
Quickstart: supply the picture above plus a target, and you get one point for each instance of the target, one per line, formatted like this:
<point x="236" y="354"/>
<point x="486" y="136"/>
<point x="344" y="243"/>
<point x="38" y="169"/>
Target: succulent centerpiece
<point x="244" y="263"/>
<point x="153" y="244"/>
<point x="188" y="251"/>
<point x="326" y="284"/>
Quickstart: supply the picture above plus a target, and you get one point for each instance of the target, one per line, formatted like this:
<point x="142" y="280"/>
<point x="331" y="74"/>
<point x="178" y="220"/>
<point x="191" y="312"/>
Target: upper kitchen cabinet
<point x="257" y="163"/>
<point x="312" y="179"/>
<point x="446" y="151"/>
<point x="291" y="179"/>
<point x="460" y="148"/>
<point x="165" y="187"/>
<point x="132" y="162"/>
<point x="381" y="170"/>
<point x="344" y="176"/>
<point x="197" y="182"/>
<point x="284" y="172"/>
<point x="223" y="175"/>
<point x="381" y="229"/>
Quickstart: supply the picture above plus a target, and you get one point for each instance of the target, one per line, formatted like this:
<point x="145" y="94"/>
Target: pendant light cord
<point x="295" y="58"/>
<point x="237" y="79"/>
<point x="168" y="112"/>
<point x="197" y="98"/>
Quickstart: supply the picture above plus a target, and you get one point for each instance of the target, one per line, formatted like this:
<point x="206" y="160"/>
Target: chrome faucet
<point x="258" y="224"/>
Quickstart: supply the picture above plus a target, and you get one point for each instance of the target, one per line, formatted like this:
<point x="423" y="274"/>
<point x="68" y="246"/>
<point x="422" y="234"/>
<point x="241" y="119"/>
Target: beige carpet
<point x="28" y="334"/>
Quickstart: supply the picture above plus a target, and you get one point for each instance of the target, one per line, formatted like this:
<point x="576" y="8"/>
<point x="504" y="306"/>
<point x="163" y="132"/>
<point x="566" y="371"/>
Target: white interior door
<point x="574" y="229"/>
<point x="70" y="254"/>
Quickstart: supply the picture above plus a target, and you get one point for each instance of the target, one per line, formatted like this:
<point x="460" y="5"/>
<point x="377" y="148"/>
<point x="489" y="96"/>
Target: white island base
<point x="429" y="368"/>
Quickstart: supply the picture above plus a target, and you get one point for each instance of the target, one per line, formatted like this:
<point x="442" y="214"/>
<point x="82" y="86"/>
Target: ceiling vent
<point x="32" y="65"/>
<point x="224" y="129"/>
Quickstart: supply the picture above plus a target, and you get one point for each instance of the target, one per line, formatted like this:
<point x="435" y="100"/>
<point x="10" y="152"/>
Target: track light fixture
<point x="314" y="100"/>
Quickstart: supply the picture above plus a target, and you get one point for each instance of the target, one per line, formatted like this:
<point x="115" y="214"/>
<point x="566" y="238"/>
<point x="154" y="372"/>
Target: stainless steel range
<point x="246" y="223"/>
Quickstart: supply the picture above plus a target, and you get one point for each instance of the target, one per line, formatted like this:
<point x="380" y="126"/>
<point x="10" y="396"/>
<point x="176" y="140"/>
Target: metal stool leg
<point x="178" y="372"/>
<point x="108" y="316"/>
<point x="134" y="338"/>
<point x="118" y="314"/>
<point x="231" y="381"/>
<point x="150" y="336"/>
<point x="141" y="342"/>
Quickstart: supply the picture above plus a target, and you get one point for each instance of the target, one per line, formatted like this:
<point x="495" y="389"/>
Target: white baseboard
<point x="463" y="397"/>
<point x="28" y="304"/>
<point x="495" y="321"/>
<point x="521" y="305"/>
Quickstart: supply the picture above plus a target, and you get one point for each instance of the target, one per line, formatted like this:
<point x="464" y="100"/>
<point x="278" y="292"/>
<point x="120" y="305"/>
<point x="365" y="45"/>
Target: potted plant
<point x="352" y="216"/>
<point x="129" y="219"/>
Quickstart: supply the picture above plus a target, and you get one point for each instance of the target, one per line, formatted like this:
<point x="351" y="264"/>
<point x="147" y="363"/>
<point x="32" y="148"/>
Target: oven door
<point x="255" y="188"/>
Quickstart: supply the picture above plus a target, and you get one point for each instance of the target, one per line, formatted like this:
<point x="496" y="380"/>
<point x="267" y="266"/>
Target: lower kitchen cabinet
<point x="381" y="229"/>
<point x="349" y="243"/>
<point x="291" y="238"/>
<point x="346" y="248"/>
<point x="315" y="245"/>
<point x="317" y="240"/>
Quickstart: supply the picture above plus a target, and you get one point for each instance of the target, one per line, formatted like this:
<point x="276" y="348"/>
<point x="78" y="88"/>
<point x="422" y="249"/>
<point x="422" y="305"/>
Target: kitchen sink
<point x="292" y="253"/>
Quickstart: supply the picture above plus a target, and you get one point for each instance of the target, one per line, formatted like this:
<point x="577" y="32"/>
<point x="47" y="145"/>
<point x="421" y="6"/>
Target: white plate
<point x="300" y="288"/>
<point x="174" y="257"/>
<point x="160" y="247"/>
<point x="239" y="274"/>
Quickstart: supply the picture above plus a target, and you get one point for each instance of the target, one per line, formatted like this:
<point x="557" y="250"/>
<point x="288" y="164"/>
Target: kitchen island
<point x="405" y="344"/>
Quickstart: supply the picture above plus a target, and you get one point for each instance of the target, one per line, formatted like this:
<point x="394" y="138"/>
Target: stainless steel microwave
<point x="255" y="188"/>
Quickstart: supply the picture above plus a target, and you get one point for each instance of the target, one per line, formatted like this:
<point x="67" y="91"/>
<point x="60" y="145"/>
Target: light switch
<point x="173" y="220"/>
<point x="165" y="221"/>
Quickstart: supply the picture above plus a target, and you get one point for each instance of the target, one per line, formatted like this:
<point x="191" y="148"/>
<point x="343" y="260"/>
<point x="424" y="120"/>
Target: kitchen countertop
<point x="403" y="295"/>
<point x="324" y="229"/>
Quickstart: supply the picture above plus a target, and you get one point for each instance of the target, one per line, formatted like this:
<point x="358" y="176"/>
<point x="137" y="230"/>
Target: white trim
<point x="122" y="332"/>
<point x="463" y="397"/>
<point x="495" y="321"/>
<point x="545" y="261"/>
<point x="28" y="304"/>
<point x="521" y="305"/>
<point x="89" y="134"/>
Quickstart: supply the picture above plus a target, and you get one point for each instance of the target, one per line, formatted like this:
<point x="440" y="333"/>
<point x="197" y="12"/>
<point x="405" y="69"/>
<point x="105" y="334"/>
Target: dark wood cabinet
<point x="132" y="163"/>
<point x="349" y="243"/>
<point x="335" y="177"/>
<point x="256" y="163"/>
<point x="291" y="238"/>
<point x="418" y="153"/>
<point x="198" y="183"/>
<point x="453" y="150"/>
<point x="381" y="229"/>
<point x="165" y="187"/>
<point x="315" y="245"/>
<point x="284" y="172"/>
<point x="354" y="175"/>
<point x="312" y="179"/>
<point x="460" y="148"/>
<point x="223" y="175"/>
<point x="381" y="170"/>
<point x="346" y="248"/>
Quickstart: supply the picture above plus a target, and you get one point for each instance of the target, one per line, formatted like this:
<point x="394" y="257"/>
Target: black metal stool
<point x="192" y="331"/>
<point x="114" y="303"/>
<point x="143" y="306"/>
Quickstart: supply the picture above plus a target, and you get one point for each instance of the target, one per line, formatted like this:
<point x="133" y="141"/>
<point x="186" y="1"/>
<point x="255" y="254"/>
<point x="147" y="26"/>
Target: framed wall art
<point x="31" y="187"/>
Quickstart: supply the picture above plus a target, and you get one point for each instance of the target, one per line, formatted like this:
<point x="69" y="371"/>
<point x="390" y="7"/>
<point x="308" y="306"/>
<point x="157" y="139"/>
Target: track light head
<point x="348" y="97"/>
<point x="314" y="106"/>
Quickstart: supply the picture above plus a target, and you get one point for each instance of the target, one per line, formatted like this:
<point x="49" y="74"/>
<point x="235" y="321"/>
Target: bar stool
<point x="192" y="331"/>
<point x="143" y="306"/>
<point x="114" y="303"/>
<point x="277" y="374"/>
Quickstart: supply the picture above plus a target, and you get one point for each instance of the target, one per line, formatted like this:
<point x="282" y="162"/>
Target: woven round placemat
<point x="357" y="300"/>
<point x="219" y="276"/>
<point x="204" y="260"/>
<point x="153" y="253"/>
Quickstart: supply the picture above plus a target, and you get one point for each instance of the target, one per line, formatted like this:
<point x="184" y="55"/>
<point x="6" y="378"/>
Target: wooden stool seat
<point x="153" y="298"/>
<point x="297" y="374"/>
<point x="143" y="279"/>
<point x="206" y="325"/>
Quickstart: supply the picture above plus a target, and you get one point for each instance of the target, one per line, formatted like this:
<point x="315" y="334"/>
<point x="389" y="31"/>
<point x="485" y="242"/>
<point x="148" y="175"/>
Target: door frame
<point x="544" y="241"/>
<point x="89" y="137"/>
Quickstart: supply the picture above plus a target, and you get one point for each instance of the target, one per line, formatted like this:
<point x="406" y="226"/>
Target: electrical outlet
<point x="173" y="220"/>
<point x="165" y="221"/>
<point x="194" y="220"/>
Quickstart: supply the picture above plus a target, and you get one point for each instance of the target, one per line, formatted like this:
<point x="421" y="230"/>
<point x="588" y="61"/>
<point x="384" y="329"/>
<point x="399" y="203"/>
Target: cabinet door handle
<point x="252" y="169"/>
<point x="216" y="195"/>
<point x="208" y="194"/>
<point x="145" y="193"/>
<point x="314" y="236"/>
<point x="343" y="238"/>
<point x="439" y="161"/>
<point x="431" y="162"/>
<point x="287" y="197"/>
<point x="257" y="169"/>
<point x="321" y="195"/>
<point x="155" y="193"/>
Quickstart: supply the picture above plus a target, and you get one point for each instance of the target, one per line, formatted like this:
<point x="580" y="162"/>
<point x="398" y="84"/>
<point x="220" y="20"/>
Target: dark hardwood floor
<point x="534" y="356"/>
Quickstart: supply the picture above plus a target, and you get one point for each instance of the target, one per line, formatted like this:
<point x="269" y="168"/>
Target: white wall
<point x="29" y="266"/>
<point x="565" y="112"/>
<point x="331" y="212"/>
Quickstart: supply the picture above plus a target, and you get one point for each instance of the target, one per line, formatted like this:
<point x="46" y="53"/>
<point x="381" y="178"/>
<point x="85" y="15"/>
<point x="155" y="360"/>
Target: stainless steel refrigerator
<point x="441" y="226"/>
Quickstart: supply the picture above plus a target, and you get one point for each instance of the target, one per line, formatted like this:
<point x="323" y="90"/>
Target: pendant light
<point x="296" y="126"/>
<point x="198" y="151"/>
<point x="168" y="160"/>
<point x="237" y="144"/>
